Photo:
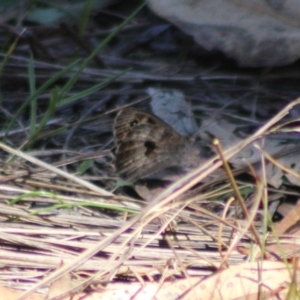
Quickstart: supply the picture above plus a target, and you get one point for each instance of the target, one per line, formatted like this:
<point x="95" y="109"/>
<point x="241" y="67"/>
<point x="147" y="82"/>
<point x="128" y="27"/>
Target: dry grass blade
<point x="63" y="231"/>
<point x="146" y="215"/>
<point x="42" y="164"/>
<point x="214" y="163"/>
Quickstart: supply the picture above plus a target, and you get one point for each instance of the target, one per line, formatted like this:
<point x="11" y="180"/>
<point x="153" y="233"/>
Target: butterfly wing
<point x="145" y="144"/>
<point x="128" y="118"/>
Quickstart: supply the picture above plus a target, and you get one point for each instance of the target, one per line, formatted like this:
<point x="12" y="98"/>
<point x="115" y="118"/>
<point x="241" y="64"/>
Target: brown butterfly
<point x="145" y="144"/>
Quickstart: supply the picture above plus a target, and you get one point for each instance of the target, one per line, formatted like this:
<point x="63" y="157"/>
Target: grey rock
<point x="255" y="33"/>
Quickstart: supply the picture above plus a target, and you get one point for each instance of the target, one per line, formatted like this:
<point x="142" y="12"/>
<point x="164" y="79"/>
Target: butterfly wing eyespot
<point x="133" y="123"/>
<point x="150" y="148"/>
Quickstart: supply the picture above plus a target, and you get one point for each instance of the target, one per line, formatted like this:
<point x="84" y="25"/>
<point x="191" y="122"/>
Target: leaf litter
<point x="75" y="227"/>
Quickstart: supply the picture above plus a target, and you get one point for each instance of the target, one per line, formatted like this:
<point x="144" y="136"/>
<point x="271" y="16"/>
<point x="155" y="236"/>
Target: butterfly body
<point x="145" y="144"/>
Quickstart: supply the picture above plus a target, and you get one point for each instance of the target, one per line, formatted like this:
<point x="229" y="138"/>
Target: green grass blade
<point x="72" y="80"/>
<point x="50" y="110"/>
<point x="32" y="91"/>
<point x="84" y="204"/>
<point x="40" y="90"/>
<point x="10" y="51"/>
<point x="91" y="90"/>
<point x="84" y="166"/>
<point x="35" y="194"/>
<point x="85" y="16"/>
